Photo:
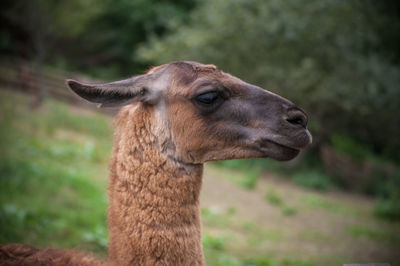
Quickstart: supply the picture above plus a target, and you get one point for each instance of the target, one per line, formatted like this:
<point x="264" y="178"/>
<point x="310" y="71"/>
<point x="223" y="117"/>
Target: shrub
<point x="273" y="198"/>
<point x="388" y="204"/>
<point x="315" y="179"/>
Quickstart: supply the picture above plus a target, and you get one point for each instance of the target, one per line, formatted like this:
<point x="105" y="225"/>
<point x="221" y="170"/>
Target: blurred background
<point x="338" y="202"/>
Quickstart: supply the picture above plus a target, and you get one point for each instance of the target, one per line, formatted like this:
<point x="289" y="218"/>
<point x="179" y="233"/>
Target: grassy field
<point x="53" y="175"/>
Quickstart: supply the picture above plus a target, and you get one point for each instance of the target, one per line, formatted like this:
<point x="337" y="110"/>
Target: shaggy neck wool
<point x="154" y="216"/>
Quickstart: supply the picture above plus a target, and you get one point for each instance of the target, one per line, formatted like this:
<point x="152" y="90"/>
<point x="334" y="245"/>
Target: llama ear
<point x="116" y="93"/>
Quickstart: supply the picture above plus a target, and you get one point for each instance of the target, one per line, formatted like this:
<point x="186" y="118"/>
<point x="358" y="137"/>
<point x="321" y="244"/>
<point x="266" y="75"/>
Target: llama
<point x="175" y="117"/>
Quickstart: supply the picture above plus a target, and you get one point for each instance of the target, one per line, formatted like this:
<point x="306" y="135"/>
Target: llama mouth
<point x="277" y="151"/>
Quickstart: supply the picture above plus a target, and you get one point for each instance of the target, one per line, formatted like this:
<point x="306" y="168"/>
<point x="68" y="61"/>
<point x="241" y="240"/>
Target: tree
<point x="95" y="36"/>
<point x="338" y="59"/>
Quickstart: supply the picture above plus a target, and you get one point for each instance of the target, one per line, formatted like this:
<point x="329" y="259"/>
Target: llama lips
<point x="278" y="151"/>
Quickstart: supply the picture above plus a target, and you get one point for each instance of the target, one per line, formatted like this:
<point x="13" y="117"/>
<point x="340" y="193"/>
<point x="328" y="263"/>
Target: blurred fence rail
<point x="24" y="76"/>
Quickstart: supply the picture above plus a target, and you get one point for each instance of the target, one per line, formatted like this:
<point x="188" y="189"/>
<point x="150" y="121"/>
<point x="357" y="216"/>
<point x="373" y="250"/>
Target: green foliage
<point x="388" y="204"/>
<point x="214" y="247"/>
<point x="213" y="242"/>
<point x="337" y="59"/>
<point x="40" y="168"/>
<point x="373" y="234"/>
<point x="273" y="198"/>
<point x="216" y="218"/>
<point x="318" y="202"/>
<point x="250" y="179"/>
<point x="388" y="208"/>
<point x="273" y="262"/>
<point x="22" y="211"/>
<point x="288" y="211"/>
<point x="351" y="147"/>
<point x="312" y="179"/>
<point x="32" y="29"/>
<point x="251" y="170"/>
<point x="95" y="36"/>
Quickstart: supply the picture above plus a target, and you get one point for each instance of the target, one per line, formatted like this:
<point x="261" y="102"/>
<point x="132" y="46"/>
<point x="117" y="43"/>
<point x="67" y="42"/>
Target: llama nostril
<point x="297" y="118"/>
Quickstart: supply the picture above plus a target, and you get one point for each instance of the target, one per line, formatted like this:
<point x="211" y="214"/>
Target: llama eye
<point x="208" y="98"/>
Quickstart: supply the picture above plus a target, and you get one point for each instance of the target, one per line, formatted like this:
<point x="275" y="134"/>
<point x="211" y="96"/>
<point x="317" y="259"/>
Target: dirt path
<point x="325" y="228"/>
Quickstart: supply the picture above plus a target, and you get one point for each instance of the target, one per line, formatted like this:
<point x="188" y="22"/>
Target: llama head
<point x="204" y="114"/>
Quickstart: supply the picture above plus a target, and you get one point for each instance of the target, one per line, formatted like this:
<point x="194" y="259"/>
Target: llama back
<point x="20" y="254"/>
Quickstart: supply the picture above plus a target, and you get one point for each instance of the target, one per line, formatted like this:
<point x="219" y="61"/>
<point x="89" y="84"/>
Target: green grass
<point x="369" y="233"/>
<point x="215" y="218"/>
<point x="251" y="170"/>
<point x="223" y="230"/>
<point x="52" y="175"/>
<point x="273" y="198"/>
<point x="319" y="202"/>
<point x="288" y="211"/>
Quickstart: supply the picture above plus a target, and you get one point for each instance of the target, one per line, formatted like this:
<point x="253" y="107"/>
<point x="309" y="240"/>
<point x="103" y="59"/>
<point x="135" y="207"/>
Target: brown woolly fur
<point x="177" y="116"/>
<point x="154" y="214"/>
<point x="18" y="254"/>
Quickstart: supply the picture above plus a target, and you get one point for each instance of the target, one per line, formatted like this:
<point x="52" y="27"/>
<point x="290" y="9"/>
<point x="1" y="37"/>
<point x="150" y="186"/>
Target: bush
<point x="388" y="204"/>
<point x="288" y="211"/>
<point x="351" y="147"/>
<point x="313" y="179"/>
<point x="273" y="198"/>
<point x="250" y="178"/>
<point x="213" y="242"/>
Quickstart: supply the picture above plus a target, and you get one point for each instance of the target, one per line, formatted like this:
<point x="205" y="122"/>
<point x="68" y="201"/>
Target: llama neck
<point x="154" y="215"/>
